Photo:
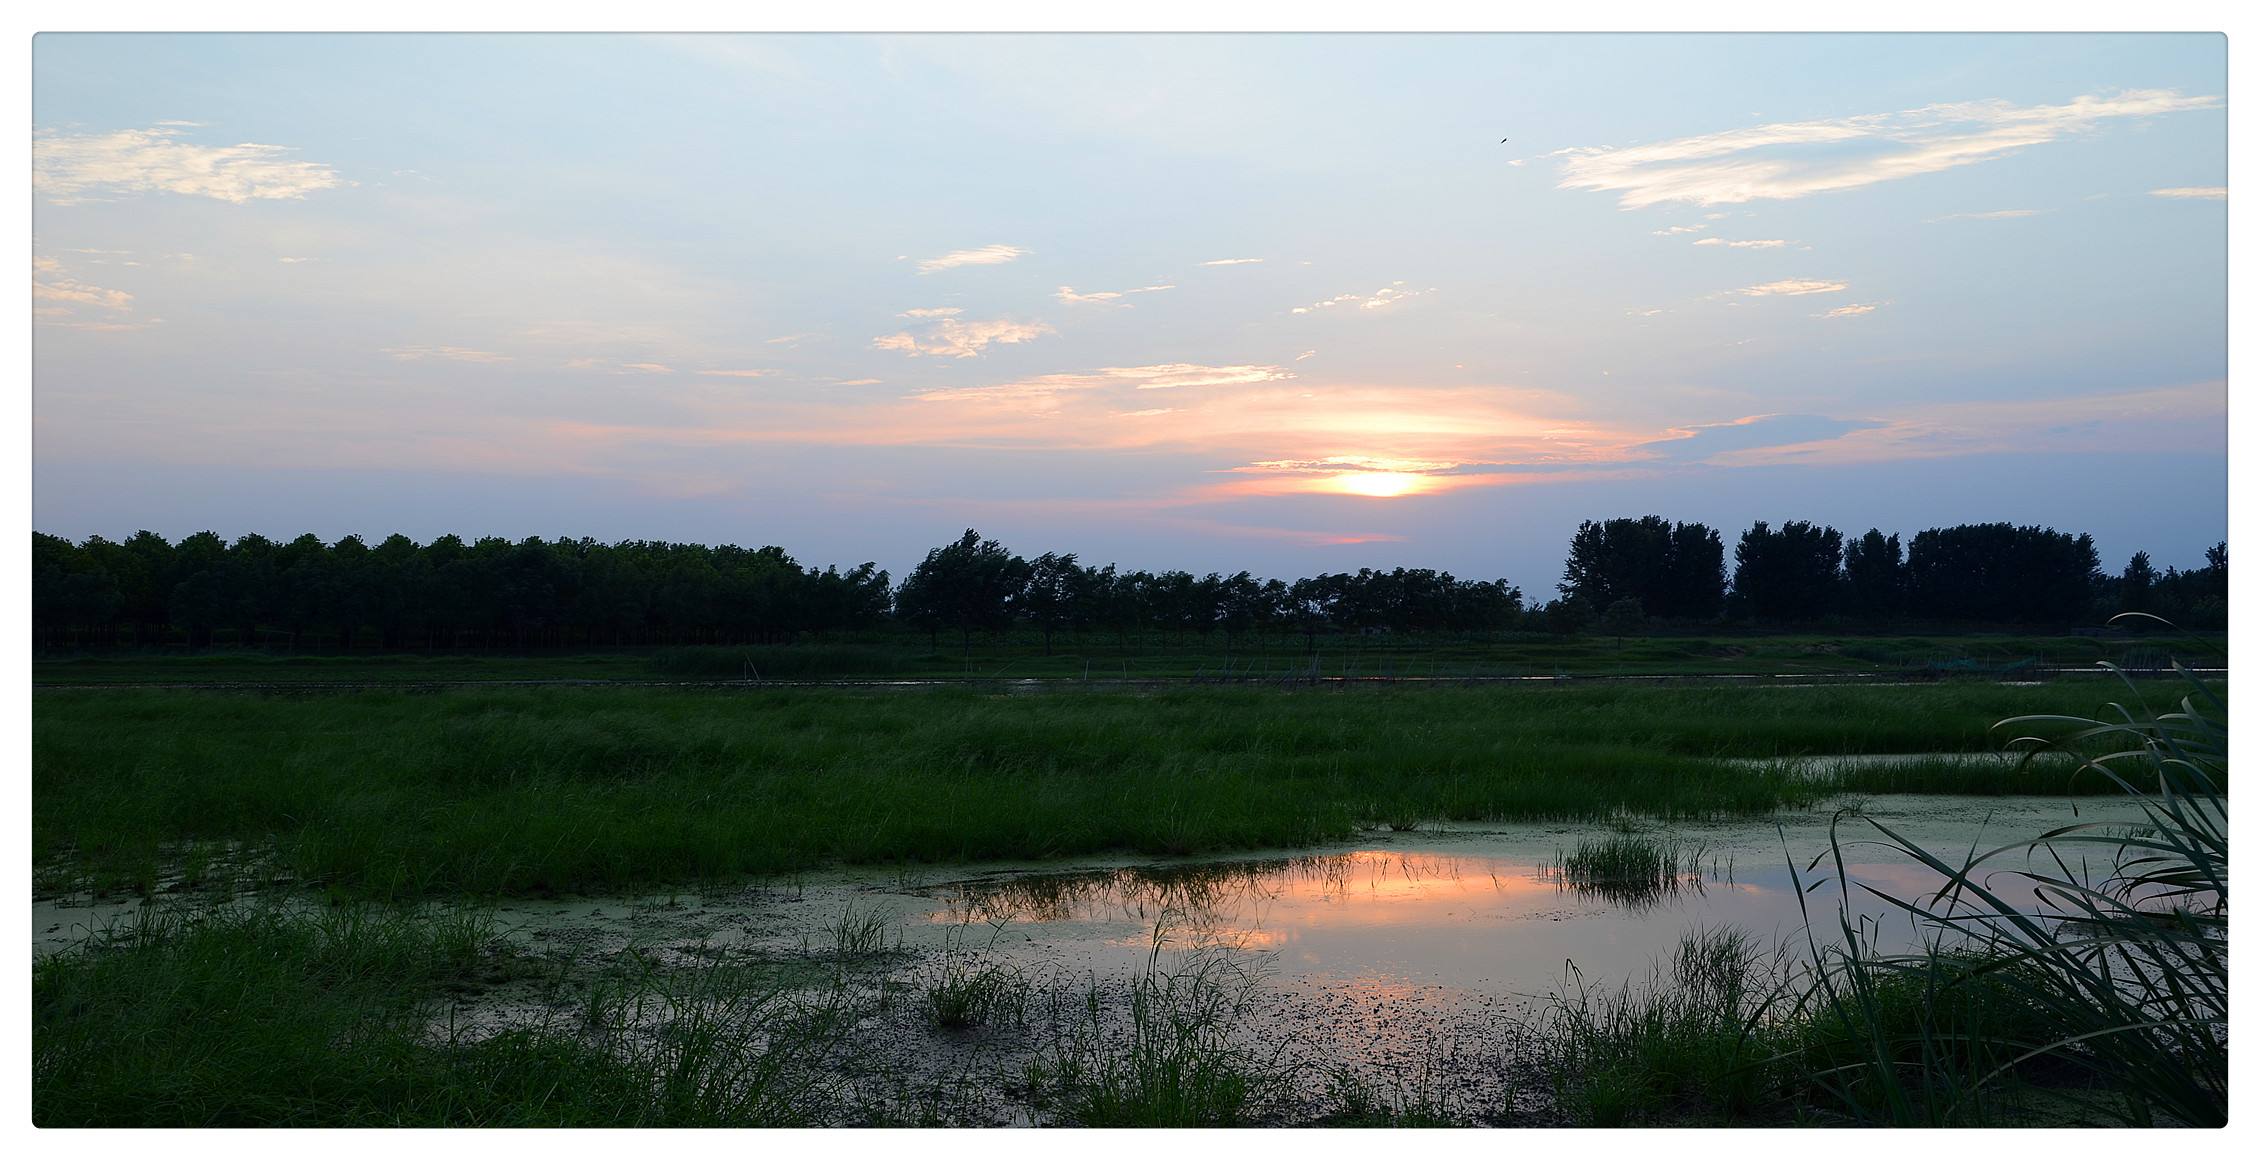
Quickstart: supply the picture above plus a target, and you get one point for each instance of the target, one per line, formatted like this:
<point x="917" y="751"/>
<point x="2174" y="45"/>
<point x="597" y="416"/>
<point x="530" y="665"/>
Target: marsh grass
<point x="1170" y="1059"/>
<point x="858" y="932"/>
<point x="262" y="1015"/>
<point x="962" y="991"/>
<point x="2053" y="988"/>
<point x="1354" y="1101"/>
<point x="1633" y="868"/>
<point x="1684" y="1045"/>
<point x="783" y="662"/>
<point x="2115" y="977"/>
<point x="1024" y="654"/>
<point x="389" y="795"/>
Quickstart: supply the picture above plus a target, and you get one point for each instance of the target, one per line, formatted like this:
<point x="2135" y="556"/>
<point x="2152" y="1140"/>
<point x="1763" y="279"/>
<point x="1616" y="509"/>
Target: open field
<point x="1023" y="655"/>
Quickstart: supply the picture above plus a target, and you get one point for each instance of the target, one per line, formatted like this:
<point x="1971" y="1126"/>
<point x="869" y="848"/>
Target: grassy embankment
<point x="400" y="795"/>
<point x="910" y="656"/>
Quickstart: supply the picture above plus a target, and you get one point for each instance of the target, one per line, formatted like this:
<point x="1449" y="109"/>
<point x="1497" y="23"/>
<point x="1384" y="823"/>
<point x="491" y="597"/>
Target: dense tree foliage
<point x="1675" y="571"/>
<point x="1622" y="575"/>
<point x="1875" y="577"/>
<point x="2001" y="572"/>
<point x="492" y="593"/>
<point x="1791" y="574"/>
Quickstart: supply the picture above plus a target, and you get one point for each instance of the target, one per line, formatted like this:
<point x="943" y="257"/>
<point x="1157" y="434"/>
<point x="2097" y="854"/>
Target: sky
<point x="1288" y="303"/>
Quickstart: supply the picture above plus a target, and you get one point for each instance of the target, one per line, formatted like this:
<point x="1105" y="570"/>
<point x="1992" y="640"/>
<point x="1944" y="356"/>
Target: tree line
<point x="489" y="593"/>
<point x="1621" y="575"/>
<point x="1803" y="573"/>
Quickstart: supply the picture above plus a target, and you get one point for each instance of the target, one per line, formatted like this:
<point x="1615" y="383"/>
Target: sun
<point x="1378" y="484"/>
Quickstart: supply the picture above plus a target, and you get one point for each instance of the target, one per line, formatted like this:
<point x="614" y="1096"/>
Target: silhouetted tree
<point x="2136" y="584"/>
<point x="1790" y="574"/>
<point x="970" y="584"/>
<point x="1875" y="577"/>
<point x="2000" y="573"/>
<point x="1052" y="597"/>
<point x="1675" y="570"/>
<point x="536" y="593"/>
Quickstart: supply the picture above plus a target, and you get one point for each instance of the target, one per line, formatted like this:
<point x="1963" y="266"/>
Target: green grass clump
<point x="961" y="996"/>
<point x="1683" y="1047"/>
<point x="1632" y="867"/>
<point x="261" y="1016"/>
<point x="1173" y="1064"/>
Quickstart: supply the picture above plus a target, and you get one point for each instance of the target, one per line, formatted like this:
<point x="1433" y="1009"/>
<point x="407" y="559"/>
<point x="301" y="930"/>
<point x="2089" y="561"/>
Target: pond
<point x="1405" y="959"/>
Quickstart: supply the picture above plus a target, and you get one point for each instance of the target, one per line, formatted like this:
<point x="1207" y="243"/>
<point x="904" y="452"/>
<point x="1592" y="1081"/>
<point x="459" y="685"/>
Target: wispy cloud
<point x="1336" y="463"/>
<point x="922" y="312"/>
<point x="2158" y="419"/>
<point x="740" y="374"/>
<point x="61" y="300"/>
<point x="1068" y="294"/>
<point x="617" y="367"/>
<point x="1158" y="377"/>
<point x="70" y="168"/>
<point x="952" y="338"/>
<point x="1305" y="354"/>
<point x="1675" y="231"/>
<point x="995" y="255"/>
<point x="449" y="353"/>
<point x="2194" y="192"/>
<point x="1802" y="158"/>
<point x="1388" y="295"/>
<point x="1232" y="261"/>
<point x="1991" y="215"/>
<point x="1791" y="287"/>
<point x="1745" y="244"/>
<point x="1853" y="311"/>
<point x="1701" y="441"/>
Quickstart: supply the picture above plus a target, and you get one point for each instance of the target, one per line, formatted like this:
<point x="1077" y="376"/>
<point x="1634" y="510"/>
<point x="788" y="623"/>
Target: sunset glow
<point x="1378" y="484"/>
<point x="1568" y="296"/>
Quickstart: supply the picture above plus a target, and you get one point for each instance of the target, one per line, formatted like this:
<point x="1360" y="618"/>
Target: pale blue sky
<point x="851" y="294"/>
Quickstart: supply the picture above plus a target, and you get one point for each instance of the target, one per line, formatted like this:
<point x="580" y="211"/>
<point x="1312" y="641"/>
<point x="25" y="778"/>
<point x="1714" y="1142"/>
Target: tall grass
<point x="2079" y="976"/>
<point x="2116" y="976"/>
<point x="1172" y="1062"/>
<point x="1690" y="1043"/>
<point x="1632" y="869"/>
<point x="401" y="795"/>
<point x="272" y="1016"/>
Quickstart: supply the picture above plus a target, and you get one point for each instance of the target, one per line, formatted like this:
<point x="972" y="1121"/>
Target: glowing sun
<point x="1378" y="484"/>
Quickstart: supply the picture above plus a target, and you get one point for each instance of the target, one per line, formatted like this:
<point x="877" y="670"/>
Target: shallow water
<point x="1461" y="906"/>
<point x="1489" y="910"/>
<point x="1407" y="960"/>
